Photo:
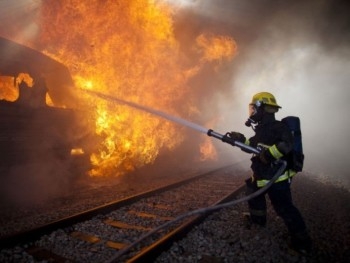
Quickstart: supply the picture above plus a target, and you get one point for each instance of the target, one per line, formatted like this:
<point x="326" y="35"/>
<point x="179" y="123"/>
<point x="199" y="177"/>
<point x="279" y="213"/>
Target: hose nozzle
<point x="229" y="140"/>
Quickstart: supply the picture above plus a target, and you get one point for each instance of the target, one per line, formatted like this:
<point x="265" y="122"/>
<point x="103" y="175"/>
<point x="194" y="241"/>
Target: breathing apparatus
<point x="255" y="114"/>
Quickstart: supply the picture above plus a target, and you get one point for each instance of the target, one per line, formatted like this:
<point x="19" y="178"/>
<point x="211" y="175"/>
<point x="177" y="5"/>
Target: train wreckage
<point x="39" y="119"/>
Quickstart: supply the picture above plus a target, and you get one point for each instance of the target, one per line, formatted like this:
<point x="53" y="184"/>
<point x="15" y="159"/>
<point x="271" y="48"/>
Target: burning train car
<point x="39" y="120"/>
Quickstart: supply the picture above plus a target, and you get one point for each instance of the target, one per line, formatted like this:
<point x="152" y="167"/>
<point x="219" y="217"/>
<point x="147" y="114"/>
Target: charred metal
<point x="32" y="131"/>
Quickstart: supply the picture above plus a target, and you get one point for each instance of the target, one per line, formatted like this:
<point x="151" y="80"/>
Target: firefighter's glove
<point x="265" y="156"/>
<point x="236" y="136"/>
<point x="232" y="137"/>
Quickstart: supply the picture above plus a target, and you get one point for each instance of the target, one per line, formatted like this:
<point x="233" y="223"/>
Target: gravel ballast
<point x="225" y="237"/>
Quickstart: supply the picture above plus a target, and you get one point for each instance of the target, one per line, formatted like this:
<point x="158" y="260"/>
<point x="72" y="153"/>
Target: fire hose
<point x="282" y="166"/>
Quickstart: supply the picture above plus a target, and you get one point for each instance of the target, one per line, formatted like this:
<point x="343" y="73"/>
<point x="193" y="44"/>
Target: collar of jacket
<point x="267" y="118"/>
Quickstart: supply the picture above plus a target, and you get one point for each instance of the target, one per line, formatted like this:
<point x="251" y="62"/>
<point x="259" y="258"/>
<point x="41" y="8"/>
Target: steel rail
<point x="154" y="250"/>
<point x="35" y="233"/>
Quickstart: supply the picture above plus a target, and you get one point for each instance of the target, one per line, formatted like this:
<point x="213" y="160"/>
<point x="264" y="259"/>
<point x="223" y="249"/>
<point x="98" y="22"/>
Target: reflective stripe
<point x="288" y="174"/>
<point x="261" y="145"/>
<point x="275" y="152"/>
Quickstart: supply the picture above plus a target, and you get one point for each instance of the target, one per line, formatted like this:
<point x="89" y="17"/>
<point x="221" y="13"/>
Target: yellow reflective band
<point x="275" y="152"/>
<point x="288" y="174"/>
<point x="247" y="142"/>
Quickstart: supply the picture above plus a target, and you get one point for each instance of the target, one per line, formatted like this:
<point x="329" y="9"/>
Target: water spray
<point x="178" y="120"/>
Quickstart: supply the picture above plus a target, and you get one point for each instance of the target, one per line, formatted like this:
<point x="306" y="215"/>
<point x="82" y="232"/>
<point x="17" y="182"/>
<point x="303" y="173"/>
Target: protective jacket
<point x="277" y="138"/>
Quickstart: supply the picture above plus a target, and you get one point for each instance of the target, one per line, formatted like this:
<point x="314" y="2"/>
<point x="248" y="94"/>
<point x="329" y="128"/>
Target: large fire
<point x="127" y="49"/>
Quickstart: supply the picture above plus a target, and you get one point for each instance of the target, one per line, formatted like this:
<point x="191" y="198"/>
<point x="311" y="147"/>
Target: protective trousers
<point x="281" y="200"/>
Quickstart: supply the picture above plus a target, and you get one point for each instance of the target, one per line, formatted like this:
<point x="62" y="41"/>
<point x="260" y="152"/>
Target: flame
<point x="207" y="150"/>
<point x="26" y="78"/>
<point x="206" y="147"/>
<point x="8" y="90"/>
<point x="9" y="85"/>
<point x="127" y="49"/>
<point x="216" y="47"/>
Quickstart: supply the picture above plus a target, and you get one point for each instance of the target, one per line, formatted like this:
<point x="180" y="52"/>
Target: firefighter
<point x="276" y="141"/>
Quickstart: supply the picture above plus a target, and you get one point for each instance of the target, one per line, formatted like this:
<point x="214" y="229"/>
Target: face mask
<point x="255" y="113"/>
<point x="252" y="110"/>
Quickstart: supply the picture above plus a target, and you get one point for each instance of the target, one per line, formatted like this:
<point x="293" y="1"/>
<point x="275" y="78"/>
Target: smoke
<point x="297" y="50"/>
<point x="34" y="183"/>
<point x="18" y="18"/>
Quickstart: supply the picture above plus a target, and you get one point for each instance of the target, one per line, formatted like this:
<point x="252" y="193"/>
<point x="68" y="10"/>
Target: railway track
<point x="134" y="229"/>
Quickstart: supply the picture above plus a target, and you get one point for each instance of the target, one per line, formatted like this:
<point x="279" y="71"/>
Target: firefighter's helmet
<point x="265" y="98"/>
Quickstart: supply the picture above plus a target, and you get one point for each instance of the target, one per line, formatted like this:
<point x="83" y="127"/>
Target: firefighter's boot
<point x="301" y="242"/>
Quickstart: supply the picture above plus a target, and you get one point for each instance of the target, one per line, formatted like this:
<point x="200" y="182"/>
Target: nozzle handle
<point x="241" y="145"/>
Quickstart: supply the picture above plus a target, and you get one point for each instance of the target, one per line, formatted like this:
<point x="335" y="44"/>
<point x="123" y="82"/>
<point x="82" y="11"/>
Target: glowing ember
<point x="127" y="49"/>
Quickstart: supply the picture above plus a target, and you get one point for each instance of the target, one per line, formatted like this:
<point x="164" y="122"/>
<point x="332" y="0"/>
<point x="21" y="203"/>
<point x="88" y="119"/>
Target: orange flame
<point x="207" y="150"/>
<point x="8" y="90"/>
<point x="9" y="85"/>
<point x="127" y="49"/>
<point x="216" y="47"/>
